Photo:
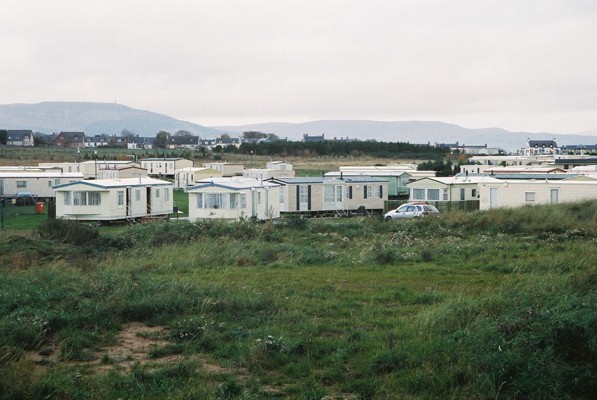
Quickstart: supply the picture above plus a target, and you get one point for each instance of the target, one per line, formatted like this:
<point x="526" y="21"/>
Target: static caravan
<point x="274" y="169"/>
<point x="62" y="166"/>
<point x="227" y="169"/>
<point x="165" y="166"/>
<point x="267" y="173"/>
<point x="398" y="176"/>
<point x="92" y="169"/>
<point x="450" y="189"/>
<point x="39" y="183"/>
<point x="233" y="199"/>
<point x="324" y="194"/>
<point x="122" y="172"/>
<point x="515" y="193"/>
<point x="114" y="199"/>
<point x="185" y="177"/>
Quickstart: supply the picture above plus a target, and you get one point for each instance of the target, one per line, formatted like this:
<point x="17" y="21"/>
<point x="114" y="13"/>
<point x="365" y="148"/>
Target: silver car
<point x="411" y="210"/>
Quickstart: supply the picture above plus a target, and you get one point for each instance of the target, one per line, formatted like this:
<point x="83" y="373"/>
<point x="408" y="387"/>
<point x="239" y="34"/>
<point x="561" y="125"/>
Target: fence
<point x="14" y="216"/>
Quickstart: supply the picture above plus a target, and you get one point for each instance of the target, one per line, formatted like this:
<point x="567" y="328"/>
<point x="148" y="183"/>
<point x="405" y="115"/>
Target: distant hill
<point x="98" y="118"/>
<point x="93" y="119"/>
<point x="408" y="131"/>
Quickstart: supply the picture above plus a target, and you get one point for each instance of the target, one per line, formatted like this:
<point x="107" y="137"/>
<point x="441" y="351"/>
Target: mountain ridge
<point x="92" y="118"/>
<point x="408" y="131"/>
<point x="96" y="118"/>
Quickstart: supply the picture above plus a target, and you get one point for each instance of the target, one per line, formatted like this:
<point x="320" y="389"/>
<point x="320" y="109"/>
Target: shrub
<point x="71" y="232"/>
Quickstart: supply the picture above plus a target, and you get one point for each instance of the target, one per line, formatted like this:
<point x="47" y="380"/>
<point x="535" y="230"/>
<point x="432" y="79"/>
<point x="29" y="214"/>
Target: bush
<point x="71" y="232"/>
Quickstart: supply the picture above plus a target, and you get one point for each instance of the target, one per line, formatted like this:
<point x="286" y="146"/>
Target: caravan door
<point x="493" y="200"/>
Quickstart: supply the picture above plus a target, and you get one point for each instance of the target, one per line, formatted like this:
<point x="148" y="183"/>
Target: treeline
<point x="443" y="168"/>
<point x="283" y="148"/>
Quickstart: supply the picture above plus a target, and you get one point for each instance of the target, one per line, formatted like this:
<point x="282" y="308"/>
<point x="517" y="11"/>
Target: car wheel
<point x="388" y="218"/>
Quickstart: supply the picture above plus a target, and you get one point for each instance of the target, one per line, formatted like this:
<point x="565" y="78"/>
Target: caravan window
<point x="120" y="197"/>
<point x="378" y="191"/>
<point x="329" y="194"/>
<point x="432" y="194"/>
<point x="303" y="194"/>
<point x="94" y="198"/>
<point x="80" y="198"/>
<point x="234" y="201"/>
<point x="215" y="200"/>
<point x="83" y="198"/>
<point x="418" y="194"/>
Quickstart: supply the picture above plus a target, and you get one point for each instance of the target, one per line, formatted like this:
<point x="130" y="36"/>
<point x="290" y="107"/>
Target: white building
<point x="39" y="183"/>
<point x="186" y="177"/>
<point x="449" y="189"/>
<point x="92" y="169"/>
<point x="530" y="160"/>
<point x="234" y="199"/>
<point x="324" y="194"/>
<point x="114" y="199"/>
<point x="122" y="172"/>
<point x="515" y="193"/>
<point x="165" y="166"/>
<point x="20" y="138"/>
<point x="63" y="166"/>
<point x="227" y="169"/>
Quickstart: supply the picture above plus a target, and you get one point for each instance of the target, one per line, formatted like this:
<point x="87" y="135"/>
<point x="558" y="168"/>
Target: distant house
<point x="69" y="139"/>
<point x="211" y="144"/>
<point x="541" y="147"/>
<point x="96" y="141"/>
<point x="515" y="193"/>
<point x="323" y="194"/>
<point x="140" y="143"/>
<point x="114" y="199"/>
<point x="234" y="199"/>
<point x="313" y="138"/>
<point x="185" y="177"/>
<point x="182" y="142"/>
<point x="579" y="149"/>
<point x="165" y="166"/>
<point x="23" y="138"/>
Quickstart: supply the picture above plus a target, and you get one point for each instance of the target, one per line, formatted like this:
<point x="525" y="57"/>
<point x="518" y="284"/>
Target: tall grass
<point x="460" y="306"/>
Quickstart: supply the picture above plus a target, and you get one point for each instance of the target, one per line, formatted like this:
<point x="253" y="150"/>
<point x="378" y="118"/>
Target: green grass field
<point x="499" y="304"/>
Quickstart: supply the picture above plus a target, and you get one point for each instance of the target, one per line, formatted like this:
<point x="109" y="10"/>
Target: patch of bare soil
<point x="132" y="346"/>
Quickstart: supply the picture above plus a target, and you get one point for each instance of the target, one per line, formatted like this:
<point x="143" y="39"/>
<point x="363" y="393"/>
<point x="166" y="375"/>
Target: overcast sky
<point x="522" y="65"/>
